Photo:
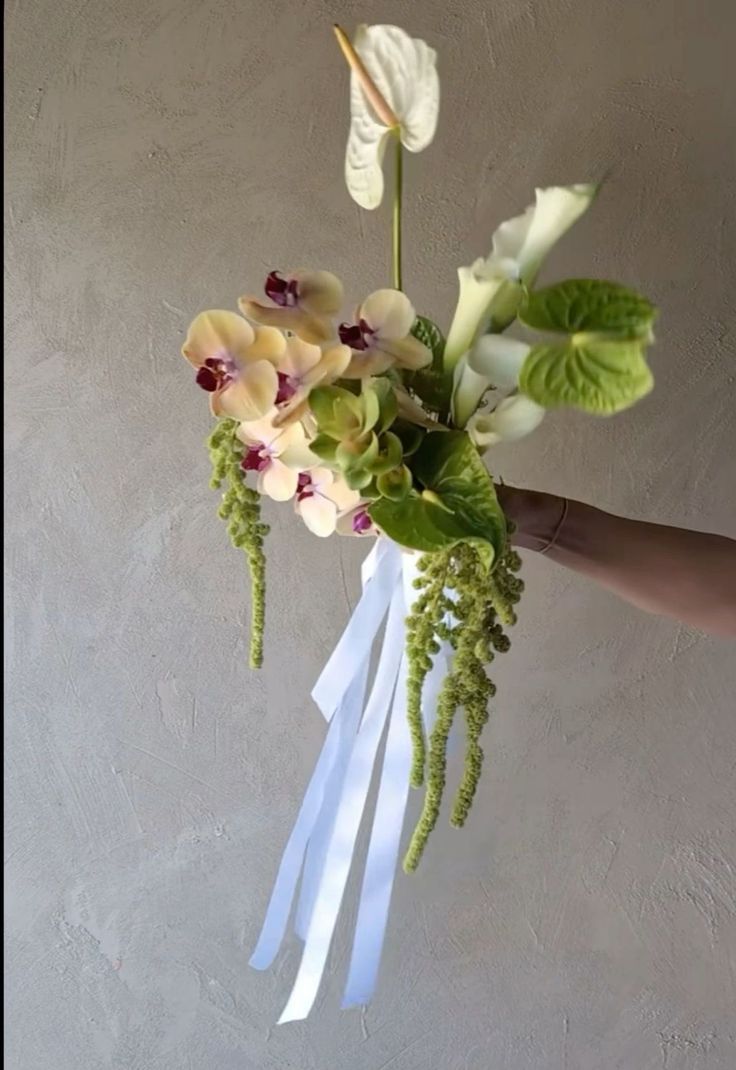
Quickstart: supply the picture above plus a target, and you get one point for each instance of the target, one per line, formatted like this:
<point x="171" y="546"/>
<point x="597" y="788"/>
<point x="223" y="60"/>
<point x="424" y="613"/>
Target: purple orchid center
<point x="283" y="292"/>
<point x="362" y="522"/>
<point x="216" y="373"/>
<point x="286" y="389"/>
<point x="304" y="487"/>
<point x="356" y="335"/>
<point x="256" y="458"/>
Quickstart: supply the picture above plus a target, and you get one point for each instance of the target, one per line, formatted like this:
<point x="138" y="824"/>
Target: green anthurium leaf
<point x="396" y="484"/>
<point x="387" y="402"/>
<point x="411" y="436"/>
<point x="591" y="306"/>
<point x="598" y="376"/>
<point x="324" y="447"/>
<point x="458" y="503"/>
<point x="389" y="454"/>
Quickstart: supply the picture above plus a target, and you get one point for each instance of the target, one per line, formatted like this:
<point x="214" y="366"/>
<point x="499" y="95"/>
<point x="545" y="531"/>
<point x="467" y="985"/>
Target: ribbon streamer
<point x="322" y="843"/>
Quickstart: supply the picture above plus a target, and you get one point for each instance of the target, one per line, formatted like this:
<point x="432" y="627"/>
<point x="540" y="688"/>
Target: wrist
<point x="536" y="517"/>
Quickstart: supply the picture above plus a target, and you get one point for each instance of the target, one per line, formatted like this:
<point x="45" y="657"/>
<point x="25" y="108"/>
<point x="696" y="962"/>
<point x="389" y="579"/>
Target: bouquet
<point x="376" y="426"/>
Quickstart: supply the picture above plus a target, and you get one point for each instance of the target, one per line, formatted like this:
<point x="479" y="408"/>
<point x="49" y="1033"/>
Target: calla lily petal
<point x="499" y="359"/>
<point x="512" y="419"/>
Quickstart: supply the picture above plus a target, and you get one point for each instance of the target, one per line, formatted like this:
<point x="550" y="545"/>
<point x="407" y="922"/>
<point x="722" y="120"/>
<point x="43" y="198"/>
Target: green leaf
<point x="432" y="384"/>
<point x="338" y="413"/>
<point x="597" y="376"/>
<point x="411" y="436"/>
<point x="357" y="452"/>
<point x="458" y="503"/>
<point x="428" y="333"/>
<point x="591" y="306"/>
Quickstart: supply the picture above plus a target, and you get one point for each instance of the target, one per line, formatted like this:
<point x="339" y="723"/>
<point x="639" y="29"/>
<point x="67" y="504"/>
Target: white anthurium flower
<point x="490" y="289"/>
<point x="513" y="418"/>
<point x="393" y="87"/>
<point x="494" y="361"/>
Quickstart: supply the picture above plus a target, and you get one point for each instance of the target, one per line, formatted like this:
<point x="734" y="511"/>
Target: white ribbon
<point x="327" y="826"/>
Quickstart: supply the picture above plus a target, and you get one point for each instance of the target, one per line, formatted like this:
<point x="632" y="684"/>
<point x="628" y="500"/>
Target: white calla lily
<point x="512" y="419"/>
<point x="494" y="361"/>
<point x="490" y="289"/>
<point x="394" y="87"/>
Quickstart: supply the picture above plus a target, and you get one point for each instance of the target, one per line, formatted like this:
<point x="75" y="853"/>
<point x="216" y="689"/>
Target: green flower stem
<point x="241" y="508"/>
<point x="396" y="222"/>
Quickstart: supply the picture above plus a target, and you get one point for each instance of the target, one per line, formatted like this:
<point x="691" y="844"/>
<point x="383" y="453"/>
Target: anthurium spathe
<point x="304" y="302"/>
<point x="277" y="454"/>
<point x="235" y="363"/>
<point x="492" y="287"/>
<point x="381" y="336"/>
<point x="322" y="496"/>
<point x="394" y="89"/>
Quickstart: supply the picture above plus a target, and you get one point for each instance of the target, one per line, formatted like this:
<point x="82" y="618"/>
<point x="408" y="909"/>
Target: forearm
<point x="687" y="575"/>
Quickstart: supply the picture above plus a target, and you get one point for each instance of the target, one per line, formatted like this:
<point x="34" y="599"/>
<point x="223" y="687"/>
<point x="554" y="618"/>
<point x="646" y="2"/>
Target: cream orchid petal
<point x="498" y="359"/>
<point x="285" y="437"/>
<point x="215" y="333"/>
<point x="251" y="395"/>
<point x="319" y="514"/>
<point x="278" y="481"/>
<point x="299" y="456"/>
<point x="331" y="366"/>
<point x="403" y="70"/>
<point x="389" y="314"/>
<point x="314" y="329"/>
<point x="253" y="432"/>
<point x="320" y="292"/>
<point x="408" y="353"/>
<point x="369" y="362"/>
<point x="341" y="494"/>
<point x="299" y="357"/>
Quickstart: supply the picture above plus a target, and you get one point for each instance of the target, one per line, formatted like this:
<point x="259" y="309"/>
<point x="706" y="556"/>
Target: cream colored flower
<point x="277" y="454"/>
<point x="512" y="419"/>
<point x="235" y="363"/>
<point x="303" y="302"/>
<point x="303" y="367"/>
<point x="321" y="497"/>
<point x="394" y="88"/>
<point x="381" y="337"/>
<point x="491" y="288"/>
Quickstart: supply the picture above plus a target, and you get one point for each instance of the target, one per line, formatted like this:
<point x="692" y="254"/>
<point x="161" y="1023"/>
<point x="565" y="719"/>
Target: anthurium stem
<point x="396" y="228"/>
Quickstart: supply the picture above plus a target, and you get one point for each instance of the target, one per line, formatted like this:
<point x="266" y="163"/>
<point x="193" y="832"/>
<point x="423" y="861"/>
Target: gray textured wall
<point x="162" y="156"/>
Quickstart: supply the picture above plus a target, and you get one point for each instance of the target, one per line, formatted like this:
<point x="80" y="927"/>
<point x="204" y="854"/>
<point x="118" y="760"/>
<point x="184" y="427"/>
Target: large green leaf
<point x="458" y="502"/>
<point x="589" y="305"/>
<point x="597" y="376"/>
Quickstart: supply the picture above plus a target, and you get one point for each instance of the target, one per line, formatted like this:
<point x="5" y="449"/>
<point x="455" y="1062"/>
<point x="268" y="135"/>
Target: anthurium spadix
<point x="394" y="88"/>
<point x="491" y="288"/>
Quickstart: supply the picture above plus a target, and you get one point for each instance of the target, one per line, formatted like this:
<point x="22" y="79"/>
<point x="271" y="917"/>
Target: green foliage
<point x="591" y="306"/>
<point x="457" y="503"/>
<point x="472" y="621"/>
<point x="241" y="507"/>
<point x="432" y="384"/>
<point x="596" y="375"/>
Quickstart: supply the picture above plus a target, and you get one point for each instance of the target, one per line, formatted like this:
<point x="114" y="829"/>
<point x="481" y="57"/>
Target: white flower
<point x="393" y="86"/>
<point x="321" y="498"/>
<point x="489" y="289"/>
<point x="277" y="454"/>
<point x="494" y="361"/>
